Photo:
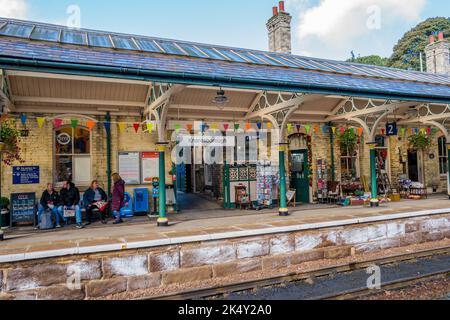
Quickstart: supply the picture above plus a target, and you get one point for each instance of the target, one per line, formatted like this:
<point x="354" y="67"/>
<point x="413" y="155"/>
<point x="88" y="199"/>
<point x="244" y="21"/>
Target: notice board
<point x="26" y="175"/>
<point x="149" y="166"/>
<point x="129" y="168"/>
<point x="23" y="208"/>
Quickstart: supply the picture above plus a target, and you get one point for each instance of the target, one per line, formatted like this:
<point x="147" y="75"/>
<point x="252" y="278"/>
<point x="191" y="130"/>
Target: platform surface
<point x="215" y="225"/>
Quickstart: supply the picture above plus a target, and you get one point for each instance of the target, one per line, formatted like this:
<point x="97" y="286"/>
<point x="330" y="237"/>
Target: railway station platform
<point x="137" y="255"/>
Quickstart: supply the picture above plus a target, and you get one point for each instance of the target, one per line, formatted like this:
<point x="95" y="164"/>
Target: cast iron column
<point x="448" y="169"/>
<point x="162" y="220"/>
<point x="373" y="175"/>
<point x="284" y="211"/>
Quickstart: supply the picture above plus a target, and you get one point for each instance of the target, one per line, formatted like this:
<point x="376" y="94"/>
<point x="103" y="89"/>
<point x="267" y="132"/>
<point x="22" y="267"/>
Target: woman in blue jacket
<point x="95" y="198"/>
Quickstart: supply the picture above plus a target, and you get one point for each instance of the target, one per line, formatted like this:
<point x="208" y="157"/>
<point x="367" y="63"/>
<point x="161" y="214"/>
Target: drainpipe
<point x="333" y="168"/>
<point x="108" y="155"/>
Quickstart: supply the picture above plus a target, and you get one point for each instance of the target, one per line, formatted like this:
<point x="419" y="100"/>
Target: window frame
<point x="444" y="156"/>
<point x="72" y="155"/>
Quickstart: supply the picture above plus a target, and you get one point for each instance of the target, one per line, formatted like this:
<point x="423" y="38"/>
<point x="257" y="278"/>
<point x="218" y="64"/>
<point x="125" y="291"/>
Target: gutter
<point x="36" y="65"/>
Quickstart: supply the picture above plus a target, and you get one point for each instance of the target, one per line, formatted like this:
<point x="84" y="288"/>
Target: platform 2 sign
<point x="391" y="129"/>
<point x="23" y="208"/>
<point x="26" y="175"/>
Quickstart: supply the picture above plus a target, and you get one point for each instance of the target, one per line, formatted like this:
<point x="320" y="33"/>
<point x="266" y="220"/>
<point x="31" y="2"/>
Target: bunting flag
<point x="289" y="127"/>
<point x="403" y="132"/>
<point x="383" y="132"/>
<point x="316" y="129"/>
<point x="360" y="132"/>
<point x="236" y="126"/>
<point x="226" y="126"/>
<point x="122" y="127"/>
<point x="416" y="130"/>
<point x="40" y="122"/>
<point x="269" y="125"/>
<point x="333" y="129"/>
<point x="248" y="126"/>
<point x="259" y="125"/>
<point x="325" y="129"/>
<point x="422" y="131"/>
<point x="177" y="127"/>
<point x="308" y="128"/>
<point x="409" y="131"/>
<point x="136" y="127"/>
<point x="74" y="123"/>
<point x="90" y="124"/>
<point x="298" y="127"/>
<point x="189" y="127"/>
<point x="203" y="127"/>
<point x="150" y="127"/>
<point x="429" y="131"/>
<point x="352" y="130"/>
<point x="342" y="130"/>
<point x="58" y="123"/>
<point x="107" y="126"/>
<point x="214" y="127"/>
<point x="23" y="118"/>
<point x="434" y="131"/>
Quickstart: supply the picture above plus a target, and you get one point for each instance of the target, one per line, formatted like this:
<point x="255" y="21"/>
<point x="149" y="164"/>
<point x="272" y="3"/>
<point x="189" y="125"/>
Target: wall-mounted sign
<point x="26" y="175"/>
<point x="129" y="168"/>
<point x="149" y="166"/>
<point x="23" y="208"/>
<point x="63" y="139"/>
<point x="391" y="129"/>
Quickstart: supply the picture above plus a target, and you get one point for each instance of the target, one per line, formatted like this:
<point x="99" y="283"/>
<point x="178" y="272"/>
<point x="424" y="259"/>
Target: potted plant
<point x="348" y="140"/>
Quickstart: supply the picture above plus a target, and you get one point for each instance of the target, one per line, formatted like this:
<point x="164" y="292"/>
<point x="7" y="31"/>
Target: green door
<point x="300" y="175"/>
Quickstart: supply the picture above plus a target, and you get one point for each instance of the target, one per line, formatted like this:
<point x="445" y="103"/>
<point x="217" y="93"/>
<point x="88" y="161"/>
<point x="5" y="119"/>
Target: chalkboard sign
<point x="23" y="208"/>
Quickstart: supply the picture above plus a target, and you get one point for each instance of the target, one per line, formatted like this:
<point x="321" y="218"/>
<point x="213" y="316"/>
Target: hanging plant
<point x="9" y="143"/>
<point x="348" y="140"/>
<point x="420" y="141"/>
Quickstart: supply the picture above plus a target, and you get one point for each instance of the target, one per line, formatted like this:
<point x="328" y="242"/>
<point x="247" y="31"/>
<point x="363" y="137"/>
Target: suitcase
<point x="46" y="220"/>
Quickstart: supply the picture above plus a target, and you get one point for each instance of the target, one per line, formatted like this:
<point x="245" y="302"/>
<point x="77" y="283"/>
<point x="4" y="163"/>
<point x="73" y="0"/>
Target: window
<point x="349" y="163"/>
<point x="73" y="155"/>
<point x="442" y="143"/>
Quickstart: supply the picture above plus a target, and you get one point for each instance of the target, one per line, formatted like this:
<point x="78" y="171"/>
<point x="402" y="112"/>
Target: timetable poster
<point x="129" y="168"/>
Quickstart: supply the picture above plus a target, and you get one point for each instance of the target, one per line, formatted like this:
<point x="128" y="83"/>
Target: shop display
<point x="267" y="179"/>
<point x="412" y="190"/>
<point x="322" y="181"/>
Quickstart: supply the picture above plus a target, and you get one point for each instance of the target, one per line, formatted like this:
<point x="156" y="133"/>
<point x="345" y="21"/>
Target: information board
<point x="26" y="175"/>
<point x="149" y="166"/>
<point x="23" y="206"/>
<point x="129" y="168"/>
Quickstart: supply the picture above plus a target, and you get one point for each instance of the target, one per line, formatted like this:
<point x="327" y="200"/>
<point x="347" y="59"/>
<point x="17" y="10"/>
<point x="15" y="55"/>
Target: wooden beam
<point x="79" y="101"/>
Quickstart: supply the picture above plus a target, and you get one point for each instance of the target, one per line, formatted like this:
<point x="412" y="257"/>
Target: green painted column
<point x="227" y="189"/>
<point x="108" y="159"/>
<point x="284" y="211"/>
<point x="448" y="170"/>
<point x="1" y="216"/>
<point x="374" y="202"/>
<point x="163" y="221"/>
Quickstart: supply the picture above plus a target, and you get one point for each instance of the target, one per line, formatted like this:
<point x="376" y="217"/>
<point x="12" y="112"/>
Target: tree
<point x="371" y="60"/>
<point x="407" y="51"/>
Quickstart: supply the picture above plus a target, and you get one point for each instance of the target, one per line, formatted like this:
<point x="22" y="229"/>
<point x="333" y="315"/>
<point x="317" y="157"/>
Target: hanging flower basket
<point x="348" y="140"/>
<point x="420" y="141"/>
<point x="9" y="143"/>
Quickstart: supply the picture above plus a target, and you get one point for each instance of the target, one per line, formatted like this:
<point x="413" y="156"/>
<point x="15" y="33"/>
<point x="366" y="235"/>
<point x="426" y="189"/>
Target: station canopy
<point x="46" y="66"/>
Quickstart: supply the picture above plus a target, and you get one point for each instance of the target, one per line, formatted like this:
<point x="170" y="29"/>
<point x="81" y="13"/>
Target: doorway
<point x="413" y="166"/>
<point x="300" y="175"/>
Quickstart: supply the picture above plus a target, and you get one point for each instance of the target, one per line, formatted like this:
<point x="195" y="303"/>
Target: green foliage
<point x="407" y="51"/>
<point x="348" y="140"/>
<point x="9" y="136"/>
<point x="371" y="60"/>
<point x="420" y="141"/>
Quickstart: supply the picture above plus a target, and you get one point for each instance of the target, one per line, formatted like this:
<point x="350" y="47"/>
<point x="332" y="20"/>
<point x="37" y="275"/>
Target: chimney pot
<point x="432" y="39"/>
<point x="275" y="11"/>
<point x="441" y="36"/>
<point x="281" y="5"/>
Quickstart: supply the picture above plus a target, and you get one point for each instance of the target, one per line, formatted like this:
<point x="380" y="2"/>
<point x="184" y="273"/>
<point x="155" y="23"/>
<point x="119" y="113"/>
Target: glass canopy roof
<point x="91" y="38"/>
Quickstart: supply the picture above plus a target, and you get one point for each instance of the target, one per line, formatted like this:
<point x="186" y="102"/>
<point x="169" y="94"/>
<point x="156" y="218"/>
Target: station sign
<point x="391" y="129"/>
<point x="26" y="175"/>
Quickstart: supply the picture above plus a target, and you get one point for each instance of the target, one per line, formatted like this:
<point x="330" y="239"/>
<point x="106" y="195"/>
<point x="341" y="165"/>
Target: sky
<point x="320" y="28"/>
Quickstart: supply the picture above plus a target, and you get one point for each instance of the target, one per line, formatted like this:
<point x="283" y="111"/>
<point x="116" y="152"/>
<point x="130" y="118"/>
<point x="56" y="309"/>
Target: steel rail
<point x="296" y="276"/>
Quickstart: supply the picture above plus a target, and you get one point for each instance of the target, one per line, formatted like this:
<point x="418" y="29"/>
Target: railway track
<point x="323" y="272"/>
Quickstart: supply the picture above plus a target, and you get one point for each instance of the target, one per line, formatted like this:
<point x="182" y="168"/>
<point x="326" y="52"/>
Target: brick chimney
<point x="438" y="55"/>
<point x="279" y="27"/>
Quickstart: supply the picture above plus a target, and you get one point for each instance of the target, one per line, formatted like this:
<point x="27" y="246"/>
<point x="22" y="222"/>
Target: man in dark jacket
<point x="50" y="200"/>
<point x="70" y="199"/>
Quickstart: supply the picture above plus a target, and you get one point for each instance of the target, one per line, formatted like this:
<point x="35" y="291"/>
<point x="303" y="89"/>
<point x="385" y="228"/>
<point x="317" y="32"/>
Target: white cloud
<point x="13" y="9"/>
<point x="333" y="28"/>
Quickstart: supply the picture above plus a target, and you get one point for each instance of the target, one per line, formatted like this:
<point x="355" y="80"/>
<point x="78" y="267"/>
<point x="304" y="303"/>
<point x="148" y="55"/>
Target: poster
<point x="26" y="175"/>
<point x="23" y="207"/>
<point x="150" y="166"/>
<point x="129" y="168"/>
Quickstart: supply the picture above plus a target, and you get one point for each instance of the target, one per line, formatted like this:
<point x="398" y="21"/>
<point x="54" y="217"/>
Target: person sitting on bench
<point x="50" y="201"/>
<point x="70" y="198"/>
<point x="95" y="198"/>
